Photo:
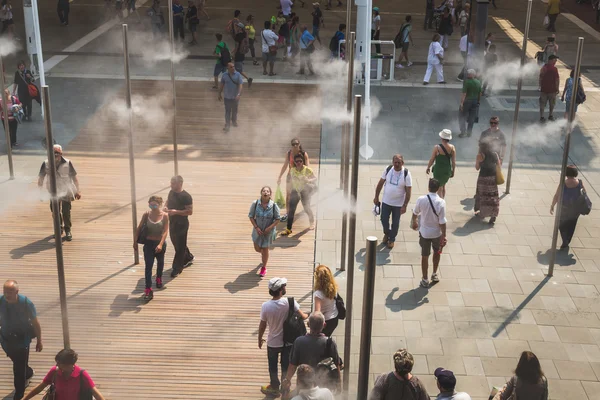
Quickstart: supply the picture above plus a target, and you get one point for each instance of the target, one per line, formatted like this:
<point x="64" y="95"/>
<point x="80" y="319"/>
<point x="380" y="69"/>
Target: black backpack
<point x="334" y="42"/>
<point x="387" y="171"/>
<point x="327" y="371"/>
<point x="225" y="56"/>
<point x="293" y="326"/>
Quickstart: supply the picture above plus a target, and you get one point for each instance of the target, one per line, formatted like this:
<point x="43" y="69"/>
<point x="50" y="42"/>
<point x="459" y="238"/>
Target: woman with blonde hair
<point x="326" y="290"/>
<point x="288" y="164"/>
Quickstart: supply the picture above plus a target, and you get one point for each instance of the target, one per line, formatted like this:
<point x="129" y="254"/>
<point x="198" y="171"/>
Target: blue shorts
<point x="219" y="69"/>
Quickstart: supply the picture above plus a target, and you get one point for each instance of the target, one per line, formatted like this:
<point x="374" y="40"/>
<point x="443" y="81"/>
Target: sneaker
<point x="542" y="120"/>
<point x="263" y="271"/>
<point x="286" y="232"/>
<point x="551" y="118"/>
<point x="269" y="391"/>
<point x="390" y="245"/>
<point x="159" y="283"/>
<point x="425" y="83"/>
<point x="459" y="79"/>
<point x="424" y="283"/>
<point x="284" y="218"/>
<point x="385" y="239"/>
<point x="399" y="66"/>
<point x="68" y="236"/>
<point x="148" y="294"/>
<point x="435" y="278"/>
<point x="492" y="221"/>
<point x="175" y="272"/>
<point x="187" y="264"/>
<point x="409" y="64"/>
<point x="226" y="128"/>
<point x="235" y="124"/>
<point x="250" y="82"/>
<point x="462" y="135"/>
<point x="442" y="82"/>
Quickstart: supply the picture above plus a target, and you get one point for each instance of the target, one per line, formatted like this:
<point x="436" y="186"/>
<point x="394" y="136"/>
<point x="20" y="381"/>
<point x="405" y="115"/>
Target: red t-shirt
<point x="68" y="388"/>
<point x="549" y="77"/>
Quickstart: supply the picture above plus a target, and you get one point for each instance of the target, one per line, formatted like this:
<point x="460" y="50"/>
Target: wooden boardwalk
<point x="198" y="337"/>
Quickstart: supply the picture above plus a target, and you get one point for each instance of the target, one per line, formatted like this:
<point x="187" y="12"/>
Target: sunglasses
<point x="295" y="144"/>
<point x="493" y="123"/>
<point x="57" y="153"/>
<point x="298" y="161"/>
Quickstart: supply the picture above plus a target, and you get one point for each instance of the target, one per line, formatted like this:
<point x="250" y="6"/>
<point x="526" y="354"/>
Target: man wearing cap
<point x="396" y="196"/>
<point x="273" y="314"/>
<point x="67" y="187"/>
<point x="446" y="382"/>
<point x="549" y="87"/>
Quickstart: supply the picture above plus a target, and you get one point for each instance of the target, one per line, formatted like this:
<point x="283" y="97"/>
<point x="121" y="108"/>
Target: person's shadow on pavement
<point x="475" y="224"/>
<point x="38" y="246"/>
<point x="563" y="258"/>
<point x="407" y="300"/>
<point x="245" y="281"/>
<point x="123" y="303"/>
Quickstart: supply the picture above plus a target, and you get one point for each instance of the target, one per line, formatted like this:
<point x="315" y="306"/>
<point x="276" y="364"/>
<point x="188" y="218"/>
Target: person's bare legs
<point x="442" y="191"/>
<point x="436" y="261"/>
<point x="265" y="68"/>
<point x="257" y="249"/>
<point x="424" y="266"/>
<point x="265" y="256"/>
<point x="271" y="66"/>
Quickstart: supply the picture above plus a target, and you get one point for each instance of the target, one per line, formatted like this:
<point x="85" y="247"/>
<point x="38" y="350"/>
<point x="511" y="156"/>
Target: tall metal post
<point x="367" y="319"/>
<point x="172" y="42"/>
<point x="565" y="159"/>
<point x="518" y="100"/>
<point x="5" y="113"/>
<point x="60" y="265"/>
<point x="348" y="15"/>
<point x="345" y="168"/>
<point x="351" y="243"/>
<point x="136" y="253"/>
<point x="38" y="46"/>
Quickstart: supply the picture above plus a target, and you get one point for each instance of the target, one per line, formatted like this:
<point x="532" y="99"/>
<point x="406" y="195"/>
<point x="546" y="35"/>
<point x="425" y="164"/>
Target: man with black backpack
<point x="18" y="326"/>
<point x="431" y="209"/>
<point x="285" y="321"/>
<point x="396" y="196"/>
<point x="334" y="43"/>
<point x="315" y="349"/>
<point x="223" y="58"/>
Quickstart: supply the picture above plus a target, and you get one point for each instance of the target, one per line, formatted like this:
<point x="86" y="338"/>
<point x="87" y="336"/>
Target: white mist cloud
<point x="500" y="75"/>
<point x="7" y="47"/>
<point x="148" y="112"/>
<point x="541" y="134"/>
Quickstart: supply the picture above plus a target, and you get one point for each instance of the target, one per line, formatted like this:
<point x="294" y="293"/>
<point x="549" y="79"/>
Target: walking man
<point x="272" y="315"/>
<point x="432" y="229"/>
<point x="306" y="44"/>
<point x="469" y="104"/>
<point x="67" y="187"/>
<point x="178" y="25"/>
<point x="18" y="326"/>
<point x="231" y="84"/>
<point x="396" y="196"/>
<point x="269" y="45"/>
<point x="63" y="9"/>
<point x="549" y="87"/>
<point x="553" y="10"/>
<point x="179" y="207"/>
<point x="495" y="138"/>
<point x="317" y="15"/>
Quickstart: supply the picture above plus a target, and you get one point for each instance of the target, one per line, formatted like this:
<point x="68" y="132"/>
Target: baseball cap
<point x="552" y="57"/>
<point x="446" y="378"/>
<point x="277" y="283"/>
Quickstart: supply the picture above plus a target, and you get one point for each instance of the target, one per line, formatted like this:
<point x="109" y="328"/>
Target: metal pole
<point x="348" y="15"/>
<point x="38" y="42"/>
<point x="136" y="253"/>
<point x="174" y="95"/>
<point x="367" y="319"/>
<point x="346" y="146"/>
<point x="60" y="265"/>
<point x="5" y="113"/>
<point x="565" y="159"/>
<point x="518" y="100"/>
<point x="351" y="244"/>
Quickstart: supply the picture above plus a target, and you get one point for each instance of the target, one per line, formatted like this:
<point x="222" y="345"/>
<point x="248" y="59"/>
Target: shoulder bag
<point x="583" y="204"/>
<point x="51" y="391"/>
<point x="272" y="49"/>
<point x="341" y="307"/>
<point x="499" y="174"/>
<point x="141" y="239"/>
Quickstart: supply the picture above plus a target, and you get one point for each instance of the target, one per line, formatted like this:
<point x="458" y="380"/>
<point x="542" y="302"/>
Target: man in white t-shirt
<point x="396" y="196"/>
<point x="272" y="314"/>
<point x="432" y="229"/>
<point x="268" y="38"/>
<point x="286" y="8"/>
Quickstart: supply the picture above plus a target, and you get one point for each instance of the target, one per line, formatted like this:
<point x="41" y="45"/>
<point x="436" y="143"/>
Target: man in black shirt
<point x="428" y="24"/>
<point x="495" y="138"/>
<point x="179" y="206"/>
<point x="317" y="15"/>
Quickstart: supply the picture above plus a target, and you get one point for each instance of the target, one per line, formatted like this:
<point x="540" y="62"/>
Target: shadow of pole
<point x="125" y="205"/>
<point x="520" y="307"/>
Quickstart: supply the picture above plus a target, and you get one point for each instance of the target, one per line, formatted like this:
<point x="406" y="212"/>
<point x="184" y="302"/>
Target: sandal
<point x="287" y="232"/>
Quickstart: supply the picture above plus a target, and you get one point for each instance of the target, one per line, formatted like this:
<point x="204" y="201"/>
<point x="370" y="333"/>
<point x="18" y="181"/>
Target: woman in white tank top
<point x="325" y="292"/>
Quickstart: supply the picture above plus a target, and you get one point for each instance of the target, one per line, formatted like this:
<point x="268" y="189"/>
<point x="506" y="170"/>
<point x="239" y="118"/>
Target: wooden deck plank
<point x="197" y="338"/>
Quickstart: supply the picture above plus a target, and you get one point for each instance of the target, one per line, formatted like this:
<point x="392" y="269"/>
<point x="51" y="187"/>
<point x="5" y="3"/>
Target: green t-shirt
<point x="220" y="46"/>
<point x="472" y="87"/>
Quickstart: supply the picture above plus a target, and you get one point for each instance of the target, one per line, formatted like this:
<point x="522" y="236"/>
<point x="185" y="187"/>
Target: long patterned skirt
<point x="487" y="201"/>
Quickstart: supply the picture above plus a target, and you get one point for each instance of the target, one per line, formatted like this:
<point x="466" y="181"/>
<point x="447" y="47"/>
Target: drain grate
<point x="528" y="103"/>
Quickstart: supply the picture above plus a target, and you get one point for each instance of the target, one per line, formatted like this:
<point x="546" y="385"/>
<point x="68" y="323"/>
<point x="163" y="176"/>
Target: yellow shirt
<point x="553" y="6"/>
<point x="298" y="183"/>
<point x="251" y="31"/>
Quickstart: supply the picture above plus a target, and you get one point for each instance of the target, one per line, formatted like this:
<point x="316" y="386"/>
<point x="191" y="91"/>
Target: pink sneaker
<point x="263" y="271"/>
<point x="159" y="283"/>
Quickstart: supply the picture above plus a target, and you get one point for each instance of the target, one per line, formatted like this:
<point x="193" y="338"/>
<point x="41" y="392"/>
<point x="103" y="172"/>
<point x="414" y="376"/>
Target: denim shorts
<point x="219" y="69"/>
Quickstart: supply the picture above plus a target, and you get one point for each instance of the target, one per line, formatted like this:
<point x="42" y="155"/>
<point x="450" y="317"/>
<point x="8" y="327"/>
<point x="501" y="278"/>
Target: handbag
<point x="341" y="307"/>
<point x="583" y="204"/>
<point x="51" y="392"/>
<point x="499" y="175"/>
<point x="141" y="239"/>
<point x="546" y="20"/>
<point x="33" y="90"/>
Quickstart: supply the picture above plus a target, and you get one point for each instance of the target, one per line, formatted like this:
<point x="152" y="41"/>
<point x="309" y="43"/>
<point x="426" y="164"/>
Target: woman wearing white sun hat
<point x="444" y="156"/>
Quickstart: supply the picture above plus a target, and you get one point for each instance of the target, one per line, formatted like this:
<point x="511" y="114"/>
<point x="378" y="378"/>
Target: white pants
<point x="439" y="69"/>
<point x="444" y="41"/>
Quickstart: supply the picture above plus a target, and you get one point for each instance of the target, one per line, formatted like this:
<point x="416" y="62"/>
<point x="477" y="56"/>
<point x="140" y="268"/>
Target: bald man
<point x="18" y="326"/>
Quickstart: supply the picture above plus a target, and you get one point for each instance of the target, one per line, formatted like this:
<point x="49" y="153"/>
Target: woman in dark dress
<point x="23" y="77"/>
<point x="569" y="213"/>
<point x="528" y="382"/>
<point x="487" y="200"/>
